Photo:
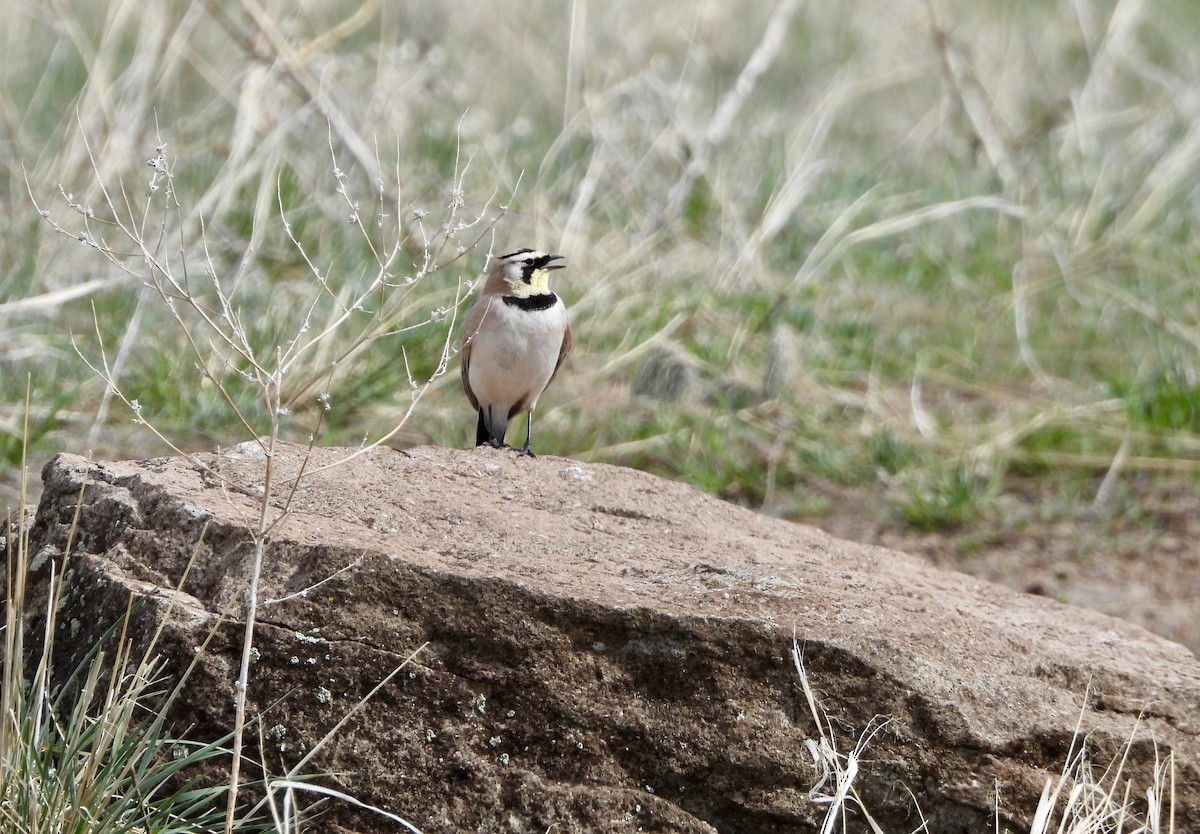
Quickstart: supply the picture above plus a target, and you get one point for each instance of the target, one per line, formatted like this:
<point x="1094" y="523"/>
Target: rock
<point x="604" y="650"/>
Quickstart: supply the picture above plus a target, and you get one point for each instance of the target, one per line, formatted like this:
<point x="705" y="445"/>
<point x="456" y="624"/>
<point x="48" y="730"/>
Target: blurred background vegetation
<point x="920" y="266"/>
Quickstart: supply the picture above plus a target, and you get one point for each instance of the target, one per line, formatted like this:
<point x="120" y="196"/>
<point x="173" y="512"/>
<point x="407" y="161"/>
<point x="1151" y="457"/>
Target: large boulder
<point x="604" y="650"/>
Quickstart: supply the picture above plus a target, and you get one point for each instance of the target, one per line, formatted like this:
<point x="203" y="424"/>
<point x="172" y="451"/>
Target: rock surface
<point x="603" y="650"/>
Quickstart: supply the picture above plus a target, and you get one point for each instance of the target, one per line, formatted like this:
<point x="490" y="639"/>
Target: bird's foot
<point x="525" y="451"/>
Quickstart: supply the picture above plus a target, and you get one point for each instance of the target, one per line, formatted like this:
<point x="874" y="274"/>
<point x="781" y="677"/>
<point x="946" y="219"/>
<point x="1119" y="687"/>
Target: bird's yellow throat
<point x="538" y="285"/>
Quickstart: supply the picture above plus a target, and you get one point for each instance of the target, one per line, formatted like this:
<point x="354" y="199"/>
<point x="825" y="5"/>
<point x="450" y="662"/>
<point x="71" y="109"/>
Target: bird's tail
<point x="492" y="431"/>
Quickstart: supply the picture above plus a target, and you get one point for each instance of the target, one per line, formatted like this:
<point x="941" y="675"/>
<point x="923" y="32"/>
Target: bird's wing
<point x="474" y="319"/>
<point x="562" y="353"/>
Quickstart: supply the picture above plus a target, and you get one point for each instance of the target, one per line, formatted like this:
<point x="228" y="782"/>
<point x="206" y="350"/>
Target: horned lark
<point x="514" y="342"/>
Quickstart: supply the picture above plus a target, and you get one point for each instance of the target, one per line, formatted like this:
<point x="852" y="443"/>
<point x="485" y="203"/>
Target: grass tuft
<point x="93" y="752"/>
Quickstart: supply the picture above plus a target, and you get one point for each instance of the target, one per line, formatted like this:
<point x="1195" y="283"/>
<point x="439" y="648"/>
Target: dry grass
<point x="953" y="227"/>
<point x="1086" y="797"/>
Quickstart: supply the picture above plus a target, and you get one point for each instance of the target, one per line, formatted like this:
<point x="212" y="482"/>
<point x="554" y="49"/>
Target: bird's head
<point x="526" y="272"/>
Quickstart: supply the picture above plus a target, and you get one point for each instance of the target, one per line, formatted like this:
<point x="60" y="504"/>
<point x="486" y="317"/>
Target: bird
<point x="514" y="341"/>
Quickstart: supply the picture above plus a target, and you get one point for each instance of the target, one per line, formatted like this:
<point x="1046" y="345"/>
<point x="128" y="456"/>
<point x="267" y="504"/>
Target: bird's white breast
<point x="514" y="353"/>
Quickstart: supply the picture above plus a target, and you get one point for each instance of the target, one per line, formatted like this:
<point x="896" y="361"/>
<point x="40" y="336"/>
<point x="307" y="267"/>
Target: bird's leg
<point x="525" y="450"/>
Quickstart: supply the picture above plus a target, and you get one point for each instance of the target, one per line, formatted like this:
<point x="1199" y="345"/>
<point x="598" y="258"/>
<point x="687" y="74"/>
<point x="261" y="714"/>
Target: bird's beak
<point x="549" y="265"/>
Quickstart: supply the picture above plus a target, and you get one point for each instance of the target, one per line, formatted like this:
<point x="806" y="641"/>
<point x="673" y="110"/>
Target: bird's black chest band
<point x="532" y="303"/>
